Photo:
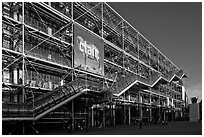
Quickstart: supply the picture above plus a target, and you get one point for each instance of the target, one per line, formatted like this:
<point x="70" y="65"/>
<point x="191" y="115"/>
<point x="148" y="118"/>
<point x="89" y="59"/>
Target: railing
<point x="124" y="82"/>
<point x="129" y="79"/>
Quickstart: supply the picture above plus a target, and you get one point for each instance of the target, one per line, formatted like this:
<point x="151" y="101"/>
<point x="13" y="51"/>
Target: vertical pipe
<point x="92" y="116"/>
<point x="149" y="63"/>
<point x="104" y="115"/>
<point x="164" y="115"/>
<point x="102" y="13"/>
<point x="87" y="117"/>
<point x="172" y="115"/>
<point x="23" y="128"/>
<point x="138" y="54"/>
<point x="158" y="61"/>
<point x="124" y="113"/>
<point x="129" y="112"/>
<point x="102" y="10"/>
<point x="102" y="35"/>
<point x="33" y="105"/>
<point x="114" y="107"/>
<point x="140" y="106"/>
<point x="23" y="69"/>
<point x="149" y="54"/>
<point x="159" y="103"/>
<point x="123" y="48"/>
<point x="111" y="112"/>
<point x="72" y="44"/>
<point x="72" y="114"/>
<point x="150" y="109"/>
<point x="138" y="46"/>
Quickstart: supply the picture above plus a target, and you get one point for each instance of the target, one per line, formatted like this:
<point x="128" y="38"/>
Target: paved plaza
<point x="173" y="128"/>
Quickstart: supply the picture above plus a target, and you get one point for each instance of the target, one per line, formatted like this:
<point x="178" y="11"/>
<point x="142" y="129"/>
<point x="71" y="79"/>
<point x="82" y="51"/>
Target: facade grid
<point x="81" y="63"/>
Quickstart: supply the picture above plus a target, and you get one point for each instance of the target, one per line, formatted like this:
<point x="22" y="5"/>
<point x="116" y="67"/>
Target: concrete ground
<point x="173" y="128"/>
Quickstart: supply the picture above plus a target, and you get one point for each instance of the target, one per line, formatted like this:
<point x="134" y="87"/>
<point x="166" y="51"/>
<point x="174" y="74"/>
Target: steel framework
<point x="38" y="62"/>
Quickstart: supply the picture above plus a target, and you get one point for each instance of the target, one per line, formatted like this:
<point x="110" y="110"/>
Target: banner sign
<point x="88" y="51"/>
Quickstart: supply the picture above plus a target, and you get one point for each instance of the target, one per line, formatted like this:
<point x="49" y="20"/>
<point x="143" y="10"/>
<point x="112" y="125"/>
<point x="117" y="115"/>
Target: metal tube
<point x="72" y="114"/>
<point x="23" y="64"/>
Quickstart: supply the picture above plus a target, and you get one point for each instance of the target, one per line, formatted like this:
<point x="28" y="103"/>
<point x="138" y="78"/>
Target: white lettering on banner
<point x="88" y="48"/>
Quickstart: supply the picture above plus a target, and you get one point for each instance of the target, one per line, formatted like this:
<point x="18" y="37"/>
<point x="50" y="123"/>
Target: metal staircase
<point x="124" y="83"/>
<point x="42" y="105"/>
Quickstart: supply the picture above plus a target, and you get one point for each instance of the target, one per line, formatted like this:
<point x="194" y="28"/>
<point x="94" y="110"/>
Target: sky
<point x="175" y="29"/>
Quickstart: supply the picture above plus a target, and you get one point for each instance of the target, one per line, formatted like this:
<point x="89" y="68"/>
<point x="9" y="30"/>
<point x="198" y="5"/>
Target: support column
<point x="129" y="120"/>
<point x="104" y="115"/>
<point x="114" y="106"/>
<point x="172" y="114"/>
<point x="72" y="44"/>
<point x="92" y="116"/>
<point x="72" y="117"/>
<point x="137" y="107"/>
<point x="124" y="111"/>
<point x="23" y="128"/>
<point x="150" y="114"/>
<point x="150" y="109"/>
<point x="23" y="64"/>
<point x="164" y="115"/>
<point x="111" y="114"/>
<point x="129" y="110"/>
<point x="140" y="106"/>
<point x="87" y="117"/>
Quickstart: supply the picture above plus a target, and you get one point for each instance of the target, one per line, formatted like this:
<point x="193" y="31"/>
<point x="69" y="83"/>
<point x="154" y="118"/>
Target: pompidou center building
<point x="82" y="64"/>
